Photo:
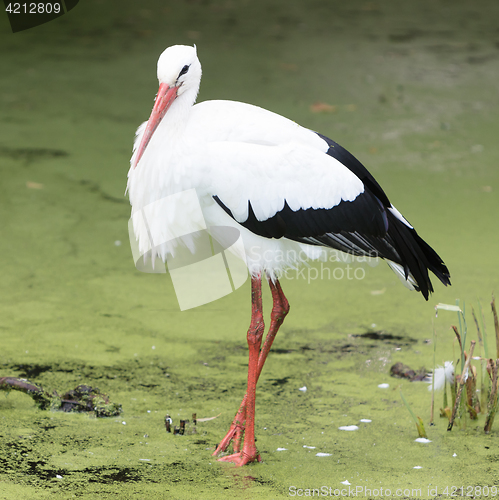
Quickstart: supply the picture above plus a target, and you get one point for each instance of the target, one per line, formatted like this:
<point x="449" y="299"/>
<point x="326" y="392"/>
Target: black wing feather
<point x="364" y="226"/>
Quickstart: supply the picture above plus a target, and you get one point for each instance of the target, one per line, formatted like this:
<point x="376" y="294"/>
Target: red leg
<point x="255" y="334"/>
<point x="279" y="311"/>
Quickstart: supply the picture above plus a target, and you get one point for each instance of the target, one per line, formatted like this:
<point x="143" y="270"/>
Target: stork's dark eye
<point x="184" y="70"/>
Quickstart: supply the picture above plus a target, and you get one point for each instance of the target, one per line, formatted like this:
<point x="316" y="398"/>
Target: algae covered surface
<point x="410" y="88"/>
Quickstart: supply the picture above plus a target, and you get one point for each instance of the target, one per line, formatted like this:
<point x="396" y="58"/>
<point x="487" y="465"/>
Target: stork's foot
<point x="249" y="452"/>
<point x="242" y="458"/>
<point x="235" y="433"/>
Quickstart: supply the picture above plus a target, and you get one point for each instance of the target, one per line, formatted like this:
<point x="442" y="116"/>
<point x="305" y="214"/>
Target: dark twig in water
<point x="81" y="399"/>
<point x="168" y="423"/>
<point x="184" y="427"/>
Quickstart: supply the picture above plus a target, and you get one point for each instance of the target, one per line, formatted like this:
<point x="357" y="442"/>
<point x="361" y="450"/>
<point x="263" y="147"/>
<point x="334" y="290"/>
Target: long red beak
<point x="164" y="99"/>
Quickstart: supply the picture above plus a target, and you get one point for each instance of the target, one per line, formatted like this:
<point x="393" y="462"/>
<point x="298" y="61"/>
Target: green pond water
<point x="413" y="93"/>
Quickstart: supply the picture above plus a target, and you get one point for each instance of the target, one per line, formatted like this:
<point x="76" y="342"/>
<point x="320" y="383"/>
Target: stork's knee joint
<point x="256" y="329"/>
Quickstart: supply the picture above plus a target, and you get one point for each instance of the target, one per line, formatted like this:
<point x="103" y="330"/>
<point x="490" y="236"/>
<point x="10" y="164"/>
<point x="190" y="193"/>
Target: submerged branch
<point x="81" y="399"/>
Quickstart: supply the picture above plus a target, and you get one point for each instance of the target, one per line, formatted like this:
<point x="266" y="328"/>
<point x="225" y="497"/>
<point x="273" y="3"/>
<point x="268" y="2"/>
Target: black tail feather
<point x="401" y="244"/>
<point x="416" y="256"/>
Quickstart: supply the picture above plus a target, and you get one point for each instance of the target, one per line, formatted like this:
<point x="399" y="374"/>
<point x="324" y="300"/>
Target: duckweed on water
<point x="413" y="87"/>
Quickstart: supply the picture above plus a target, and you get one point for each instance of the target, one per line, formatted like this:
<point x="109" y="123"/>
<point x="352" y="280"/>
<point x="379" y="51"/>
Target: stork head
<point x="179" y="74"/>
<point x="179" y="66"/>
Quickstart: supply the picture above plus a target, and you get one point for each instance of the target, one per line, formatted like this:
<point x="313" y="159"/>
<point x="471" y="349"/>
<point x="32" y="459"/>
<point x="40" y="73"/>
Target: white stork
<point x="288" y="190"/>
